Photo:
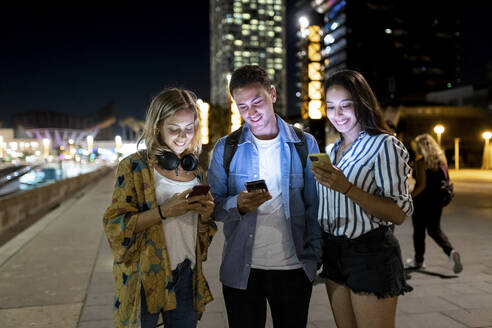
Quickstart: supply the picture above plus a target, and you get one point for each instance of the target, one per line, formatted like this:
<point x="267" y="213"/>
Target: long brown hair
<point x="366" y="107"/>
<point x="164" y="105"/>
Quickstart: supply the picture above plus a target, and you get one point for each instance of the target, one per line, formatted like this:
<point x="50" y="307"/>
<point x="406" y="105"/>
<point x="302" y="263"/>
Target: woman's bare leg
<point x="341" y="305"/>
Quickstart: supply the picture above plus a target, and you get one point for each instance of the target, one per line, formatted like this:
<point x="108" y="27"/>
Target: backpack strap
<point x="301" y="147"/>
<point x="444" y="169"/>
<point x="230" y="148"/>
<point x="232" y="140"/>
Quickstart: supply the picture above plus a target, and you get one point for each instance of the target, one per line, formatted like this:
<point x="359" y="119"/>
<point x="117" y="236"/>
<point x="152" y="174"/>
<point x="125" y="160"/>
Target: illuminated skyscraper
<point x="247" y="32"/>
<point x="404" y="48"/>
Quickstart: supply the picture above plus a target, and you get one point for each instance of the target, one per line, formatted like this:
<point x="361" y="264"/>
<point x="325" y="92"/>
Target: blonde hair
<point x="164" y="105"/>
<point x="430" y="150"/>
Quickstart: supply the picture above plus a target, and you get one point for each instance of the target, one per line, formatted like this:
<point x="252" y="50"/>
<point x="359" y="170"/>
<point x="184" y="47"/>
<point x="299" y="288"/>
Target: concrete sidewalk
<point x="58" y="273"/>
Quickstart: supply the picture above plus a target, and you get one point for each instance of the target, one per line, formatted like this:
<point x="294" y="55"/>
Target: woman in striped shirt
<point x="362" y="195"/>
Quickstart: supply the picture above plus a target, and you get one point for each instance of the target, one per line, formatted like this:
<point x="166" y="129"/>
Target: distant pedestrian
<point x="361" y="195"/>
<point x="158" y="236"/>
<point x="430" y="169"/>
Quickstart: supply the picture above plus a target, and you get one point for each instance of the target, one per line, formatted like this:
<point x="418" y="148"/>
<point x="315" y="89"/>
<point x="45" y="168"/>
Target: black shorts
<point x="370" y="263"/>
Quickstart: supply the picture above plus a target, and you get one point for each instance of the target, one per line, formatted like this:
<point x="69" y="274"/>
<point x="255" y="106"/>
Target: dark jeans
<point x="288" y="293"/>
<point x="427" y="215"/>
<point x="184" y="316"/>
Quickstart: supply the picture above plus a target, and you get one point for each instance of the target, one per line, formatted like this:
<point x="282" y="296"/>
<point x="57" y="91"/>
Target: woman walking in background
<point x="361" y="196"/>
<point x="158" y="235"/>
<point x="430" y="170"/>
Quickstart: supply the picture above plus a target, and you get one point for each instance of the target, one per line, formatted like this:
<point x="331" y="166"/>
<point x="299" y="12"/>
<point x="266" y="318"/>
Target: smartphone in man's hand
<point x="256" y="185"/>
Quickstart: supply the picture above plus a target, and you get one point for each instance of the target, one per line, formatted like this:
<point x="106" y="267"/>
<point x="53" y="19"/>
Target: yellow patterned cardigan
<point x="142" y="258"/>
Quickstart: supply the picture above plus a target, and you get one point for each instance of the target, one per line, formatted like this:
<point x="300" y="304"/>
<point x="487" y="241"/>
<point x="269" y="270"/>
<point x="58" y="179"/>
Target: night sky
<point x="77" y="59"/>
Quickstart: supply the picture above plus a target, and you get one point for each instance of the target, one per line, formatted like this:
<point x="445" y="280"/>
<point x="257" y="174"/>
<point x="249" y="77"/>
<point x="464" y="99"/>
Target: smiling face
<point x="178" y="130"/>
<point x="255" y="104"/>
<point x="341" y="112"/>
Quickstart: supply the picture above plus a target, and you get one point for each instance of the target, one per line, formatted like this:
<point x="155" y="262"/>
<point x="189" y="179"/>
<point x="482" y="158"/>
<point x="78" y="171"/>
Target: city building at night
<point x="404" y="49"/>
<point x="410" y="55"/>
<point x="62" y="127"/>
<point x="247" y="32"/>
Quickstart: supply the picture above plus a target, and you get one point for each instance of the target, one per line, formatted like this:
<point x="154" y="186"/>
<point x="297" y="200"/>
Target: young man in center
<point x="272" y="238"/>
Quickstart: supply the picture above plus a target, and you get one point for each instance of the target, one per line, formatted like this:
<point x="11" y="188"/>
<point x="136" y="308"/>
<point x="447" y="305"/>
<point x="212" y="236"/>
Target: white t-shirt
<point x="180" y="231"/>
<point x="273" y="246"/>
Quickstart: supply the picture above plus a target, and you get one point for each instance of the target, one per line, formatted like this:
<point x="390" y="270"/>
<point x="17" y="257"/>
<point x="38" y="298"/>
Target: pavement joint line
<point x="84" y="302"/>
<point x="37" y="306"/>
<point x="454" y="319"/>
<point x="13" y="246"/>
<point x="451" y="302"/>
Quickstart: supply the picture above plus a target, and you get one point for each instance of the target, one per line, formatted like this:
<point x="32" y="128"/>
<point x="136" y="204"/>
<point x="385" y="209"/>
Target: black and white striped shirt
<point x="377" y="164"/>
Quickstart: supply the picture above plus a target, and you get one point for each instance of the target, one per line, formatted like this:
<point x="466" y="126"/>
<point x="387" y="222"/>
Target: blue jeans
<point x="184" y="316"/>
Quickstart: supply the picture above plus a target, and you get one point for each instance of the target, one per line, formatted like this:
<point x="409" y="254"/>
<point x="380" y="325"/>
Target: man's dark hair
<point x="248" y="74"/>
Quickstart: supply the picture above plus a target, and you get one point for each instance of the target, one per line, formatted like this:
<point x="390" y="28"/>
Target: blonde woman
<point x="430" y="169"/>
<point x="159" y="236"/>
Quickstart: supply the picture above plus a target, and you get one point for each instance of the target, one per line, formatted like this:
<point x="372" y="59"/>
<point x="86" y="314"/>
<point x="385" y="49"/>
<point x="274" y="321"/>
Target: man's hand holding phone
<point x="256" y="193"/>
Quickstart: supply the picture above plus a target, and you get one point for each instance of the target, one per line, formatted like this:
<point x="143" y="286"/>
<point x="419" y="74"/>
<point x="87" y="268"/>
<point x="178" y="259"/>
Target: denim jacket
<point x="299" y="199"/>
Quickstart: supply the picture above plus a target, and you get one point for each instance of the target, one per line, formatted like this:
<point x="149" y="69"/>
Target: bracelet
<point x="160" y="213"/>
<point x="348" y="189"/>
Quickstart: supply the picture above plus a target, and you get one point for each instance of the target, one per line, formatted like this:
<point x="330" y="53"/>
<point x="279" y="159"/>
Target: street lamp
<point x="90" y="144"/>
<point x="486" y="152"/>
<point x="204" y="109"/>
<point x="46" y="147"/>
<point x="117" y="143"/>
<point x="439" y="129"/>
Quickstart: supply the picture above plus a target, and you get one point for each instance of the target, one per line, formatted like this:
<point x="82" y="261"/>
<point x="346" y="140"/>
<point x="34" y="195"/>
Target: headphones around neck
<point x="170" y="161"/>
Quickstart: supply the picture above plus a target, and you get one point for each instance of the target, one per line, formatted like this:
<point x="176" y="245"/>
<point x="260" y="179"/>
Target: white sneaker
<point x="412" y="265"/>
<point x="455" y="259"/>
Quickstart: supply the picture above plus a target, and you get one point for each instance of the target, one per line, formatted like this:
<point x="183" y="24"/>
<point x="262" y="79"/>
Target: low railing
<point x="26" y="204"/>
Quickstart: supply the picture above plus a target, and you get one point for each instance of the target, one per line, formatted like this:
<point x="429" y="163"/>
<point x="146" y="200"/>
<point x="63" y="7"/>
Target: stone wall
<point x="24" y="205"/>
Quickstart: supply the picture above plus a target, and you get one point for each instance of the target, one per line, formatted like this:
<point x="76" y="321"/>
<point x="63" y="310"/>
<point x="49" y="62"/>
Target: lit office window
<point x="314" y="51"/>
<point x="314" y="72"/>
